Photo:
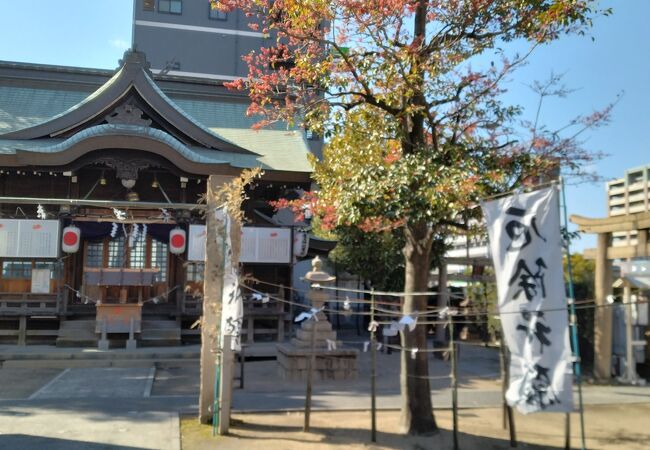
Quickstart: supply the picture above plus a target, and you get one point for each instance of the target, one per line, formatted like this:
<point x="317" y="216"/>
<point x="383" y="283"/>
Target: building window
<point x="138" y="253"/>
<point x="159" y="254"/>
<point x="95" y="254"/>
<point x="170" y="6"/>
<point x="116" y="252"/>
<point x="216" y="14"/>
<point x="149" y="5"/>
<point x="17" y="270"/>
<point x="195" y="271"/>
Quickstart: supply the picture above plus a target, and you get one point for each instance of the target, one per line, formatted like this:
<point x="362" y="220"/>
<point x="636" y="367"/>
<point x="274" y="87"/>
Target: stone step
<point x="159" y="342"/>
<point x="76" y="342"/>
<point x="77" y="324"/>
<point x="161" y="333"/>
<point x="71" y="335"/>
<point x="159" y="324"/>
<point x="77" y="333"/>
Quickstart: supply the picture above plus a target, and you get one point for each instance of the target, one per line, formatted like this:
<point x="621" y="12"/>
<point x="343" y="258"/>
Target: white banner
<point x="232" y="309"/>
<point x="526" y="246"/>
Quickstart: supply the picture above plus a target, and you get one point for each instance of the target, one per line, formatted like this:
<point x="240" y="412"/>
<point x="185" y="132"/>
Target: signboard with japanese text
<point x="22" y="238"/>
<point x="266" y="245"/>
<point x="526" y="246"/>
<point x="41" y="281"/>
<point x="258" y="245"/>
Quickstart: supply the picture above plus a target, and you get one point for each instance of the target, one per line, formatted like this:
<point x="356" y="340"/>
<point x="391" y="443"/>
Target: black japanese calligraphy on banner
<point x="232" y="313"/>
<point x="526" y="246"/>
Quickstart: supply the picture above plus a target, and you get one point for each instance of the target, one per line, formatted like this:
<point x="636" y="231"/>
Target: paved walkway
<point x="134" y="408"/>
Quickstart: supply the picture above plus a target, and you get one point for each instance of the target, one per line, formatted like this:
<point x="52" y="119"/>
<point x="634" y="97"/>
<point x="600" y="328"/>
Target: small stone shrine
<point x="331" y="363"/>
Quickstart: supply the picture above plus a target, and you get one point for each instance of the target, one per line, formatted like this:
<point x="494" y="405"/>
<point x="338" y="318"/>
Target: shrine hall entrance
<point x="127" y="263"/>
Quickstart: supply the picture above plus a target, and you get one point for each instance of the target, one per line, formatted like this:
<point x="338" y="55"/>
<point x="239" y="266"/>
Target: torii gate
<point x="605" y="253"/>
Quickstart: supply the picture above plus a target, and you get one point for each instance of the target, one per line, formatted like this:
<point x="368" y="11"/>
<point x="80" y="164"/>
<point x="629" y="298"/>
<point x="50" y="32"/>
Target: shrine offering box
<point x="116" y="318"/>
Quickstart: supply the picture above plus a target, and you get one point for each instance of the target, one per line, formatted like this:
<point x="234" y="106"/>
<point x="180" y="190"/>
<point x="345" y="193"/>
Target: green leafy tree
<point x="416" y="130"/>
<point x="583" y="289"/>
<point x="375" y="257"/>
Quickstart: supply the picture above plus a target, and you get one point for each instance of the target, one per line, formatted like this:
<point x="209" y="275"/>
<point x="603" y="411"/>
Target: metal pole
<point x="311" y="362"/>
<point x="504" y="383"/>
<point x="215" y="400"/>
<point x="567" y="431"/>
<point x="573" y="323"/>
<point x="225" y="394"/>
<point x="511" y="417"/>
<point x="507" y="409"/>
<point x="373" y="373"/>
<point x="454" y="381"/>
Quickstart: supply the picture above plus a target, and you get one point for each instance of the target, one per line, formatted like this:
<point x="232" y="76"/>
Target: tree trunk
<point x="417" y="410"/>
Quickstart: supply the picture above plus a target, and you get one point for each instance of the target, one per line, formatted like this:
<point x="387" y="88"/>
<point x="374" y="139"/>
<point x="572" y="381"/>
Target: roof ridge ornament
<point x="128" y="114"/>
<point x="133" y="57"/>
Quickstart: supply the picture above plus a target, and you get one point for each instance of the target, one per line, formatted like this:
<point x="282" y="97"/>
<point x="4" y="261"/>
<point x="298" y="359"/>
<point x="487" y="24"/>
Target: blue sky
<point x="95" y="33"/>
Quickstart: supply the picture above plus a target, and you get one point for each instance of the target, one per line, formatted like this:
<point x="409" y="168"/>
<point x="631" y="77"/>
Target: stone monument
<point x="330" y="364"/>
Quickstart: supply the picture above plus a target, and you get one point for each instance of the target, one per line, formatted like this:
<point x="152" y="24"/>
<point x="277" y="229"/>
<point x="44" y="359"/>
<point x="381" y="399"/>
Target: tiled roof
<point x="275" y="148"/>
<point x="22" y="107"/>
<point x="280" y="149"/>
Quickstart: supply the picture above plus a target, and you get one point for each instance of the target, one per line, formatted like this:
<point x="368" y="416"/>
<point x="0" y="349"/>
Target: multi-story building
<point x="189" y="38"/>
<point x="628" y="195"/>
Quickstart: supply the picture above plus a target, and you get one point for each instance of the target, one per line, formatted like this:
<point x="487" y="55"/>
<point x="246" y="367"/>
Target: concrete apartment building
<point x="188" y="38"/>
<point x="628" y="195"/>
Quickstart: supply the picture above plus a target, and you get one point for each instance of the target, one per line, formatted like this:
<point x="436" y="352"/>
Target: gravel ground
<point x="608" y="427"/>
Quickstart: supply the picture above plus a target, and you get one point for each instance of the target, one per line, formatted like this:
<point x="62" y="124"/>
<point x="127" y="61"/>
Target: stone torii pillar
<point x="605" y="253"/>
<point x="603" y="314"/>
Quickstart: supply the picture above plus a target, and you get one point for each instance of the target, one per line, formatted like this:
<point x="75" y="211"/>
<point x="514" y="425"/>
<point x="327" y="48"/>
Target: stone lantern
<point x="334" y="364"/>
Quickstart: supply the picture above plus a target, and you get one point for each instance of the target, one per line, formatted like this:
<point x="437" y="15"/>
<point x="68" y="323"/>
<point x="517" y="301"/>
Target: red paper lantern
<point x="177" y="241"/>
<point x="70" y="239"/>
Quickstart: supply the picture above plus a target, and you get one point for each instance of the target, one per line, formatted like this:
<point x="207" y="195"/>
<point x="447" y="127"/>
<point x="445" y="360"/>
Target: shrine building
<point x="100" y="176"/>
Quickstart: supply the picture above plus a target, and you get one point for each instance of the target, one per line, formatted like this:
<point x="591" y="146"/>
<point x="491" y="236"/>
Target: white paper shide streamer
<point x="232" y="313"/>
<point x="526" y="246"/>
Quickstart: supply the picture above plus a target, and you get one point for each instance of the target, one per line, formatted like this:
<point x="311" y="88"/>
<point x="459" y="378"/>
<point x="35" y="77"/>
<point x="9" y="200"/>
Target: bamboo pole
<point x="373" y="374"/>
<point x="573" y="325"/>
<point x="567" y="431"/>
<point x="507" y="409"/>
<point x="225" y="392"/>
<point x="311" y="362"/>
<point x="454" y="380"/>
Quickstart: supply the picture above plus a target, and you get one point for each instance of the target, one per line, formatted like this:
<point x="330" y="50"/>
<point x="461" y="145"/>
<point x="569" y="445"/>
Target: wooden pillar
<point x="22" y="330"/>
<point x="212" y="291"/>
<point x="603" y="313"/>
<point x="443" y="299"/>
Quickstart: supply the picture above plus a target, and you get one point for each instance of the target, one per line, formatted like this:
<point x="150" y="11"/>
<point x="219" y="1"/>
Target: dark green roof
<point x="22" y="107"/>
<point x="33" y="106"/>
